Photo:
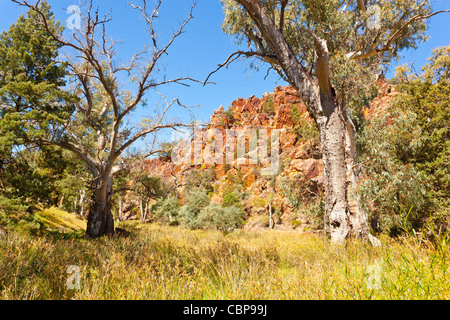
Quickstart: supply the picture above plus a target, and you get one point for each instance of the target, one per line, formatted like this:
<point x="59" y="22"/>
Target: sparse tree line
<point x="64" y="132"/>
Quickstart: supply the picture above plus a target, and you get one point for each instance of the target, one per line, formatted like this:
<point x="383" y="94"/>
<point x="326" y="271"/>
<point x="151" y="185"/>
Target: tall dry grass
<point x="160" y="262"/>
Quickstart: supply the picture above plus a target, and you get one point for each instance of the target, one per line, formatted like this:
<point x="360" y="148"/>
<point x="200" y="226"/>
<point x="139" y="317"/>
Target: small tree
<point x="150" y="187"/>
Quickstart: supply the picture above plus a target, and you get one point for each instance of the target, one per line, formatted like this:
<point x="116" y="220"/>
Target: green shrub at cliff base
<point x="200" y="179"/>
<point x="215" y="216"/>
<point x="195" y="199"/>
<point x="166" y="210"/>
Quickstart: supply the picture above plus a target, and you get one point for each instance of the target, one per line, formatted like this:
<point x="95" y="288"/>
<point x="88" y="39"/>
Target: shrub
<point x="201" y="179"/>
<point x="297" y="189"/>
<point x="393" y="185"/>
<point x="304" y="129"/>
<point x="269" y="106"/>
<point x="195" y="200"/>
<point x="220" y="218"/>
<point x="230" y="199"/>
<point x="260" y="203"/>
<point x="314" y="210"/>
<point x="166" y="210"/>
<point x="9" y="206"/>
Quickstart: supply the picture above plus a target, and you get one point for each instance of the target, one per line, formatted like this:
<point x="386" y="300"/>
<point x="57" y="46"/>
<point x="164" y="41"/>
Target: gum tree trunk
<point x="100" y="219"/>
<point x="344" y="215"/>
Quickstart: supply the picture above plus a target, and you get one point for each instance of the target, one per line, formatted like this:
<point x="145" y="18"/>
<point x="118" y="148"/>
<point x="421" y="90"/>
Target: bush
<point x="9" y="206"/>
<point x="230" y="199"/>
<point x="13" y="212"/>
<point x="393" y="185"/>
<point x="406" y="151"/>
<point x="314" y="210"/>
<point x="298" y="190"/>
<point x="304" y="129"/>
<point x="269" y="106"/>
<point x="217" y="217"/>
<point x="195" y="200"/>
<point x="166" y="210"/>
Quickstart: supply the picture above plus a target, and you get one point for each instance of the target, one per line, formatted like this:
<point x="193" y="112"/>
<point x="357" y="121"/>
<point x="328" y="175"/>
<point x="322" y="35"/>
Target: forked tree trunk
<point x="100" y="220"/>
<point x="144" y="210"/>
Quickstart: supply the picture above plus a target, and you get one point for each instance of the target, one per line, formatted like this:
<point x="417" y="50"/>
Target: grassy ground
<point x="159" y="262"/>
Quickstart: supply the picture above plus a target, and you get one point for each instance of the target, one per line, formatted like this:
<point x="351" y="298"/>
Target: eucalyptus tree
<point x="329" y="51"/>
<point x="107" y="91"/>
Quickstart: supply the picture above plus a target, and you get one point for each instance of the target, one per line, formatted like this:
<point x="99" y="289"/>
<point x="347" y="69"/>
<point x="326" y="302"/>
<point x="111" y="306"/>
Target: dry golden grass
<point x="159" y="262"/>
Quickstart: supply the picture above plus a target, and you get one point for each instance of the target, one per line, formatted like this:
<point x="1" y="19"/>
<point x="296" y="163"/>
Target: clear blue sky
<point x="197" y="52"/>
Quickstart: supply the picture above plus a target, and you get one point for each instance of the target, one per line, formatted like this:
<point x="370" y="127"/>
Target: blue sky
<point x="197" y="52"/>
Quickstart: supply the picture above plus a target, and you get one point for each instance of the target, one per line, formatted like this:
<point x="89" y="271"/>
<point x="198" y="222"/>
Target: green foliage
<point x="10" y="206"/>
<point x="151" y="186"/>
<point x="230" y="199"/>
<point x="195" y="200"/>
<point x="201" y="179"/>
<point x="269" y="106"/>
<point x="236" y="178"/>
<point x="166" y="210"/>
<point x="304" y="129"/>
<point x="221" y="218"/>
<point x="314" y="211"/>
<point x="438" y="66"/>
<point x="260" y="203"/>
<point x="392" y="185"/>
<point x="297" y="189"/>
<point x="235" y="191"/>
<point x="304" y="195"/>
<point x="33" y="104"/>
<point x="228" y="118"/>
<point x="167" y="147"/>
<point x="32" y="107"/>
<point x="407" y="151"/>
<point x="14" y="213"/>
<point x="198" y="212"/>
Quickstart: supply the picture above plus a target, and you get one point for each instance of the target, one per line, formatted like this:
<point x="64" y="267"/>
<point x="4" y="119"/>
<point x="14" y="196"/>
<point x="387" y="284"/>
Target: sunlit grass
<point x="55" y="219"/>
<point x="159" y="262"/>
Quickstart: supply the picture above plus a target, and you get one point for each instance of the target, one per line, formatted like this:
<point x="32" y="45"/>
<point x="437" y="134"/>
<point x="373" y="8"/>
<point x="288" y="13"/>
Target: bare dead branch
<point x="145" y="132"/>
<point x="236" y="55"/>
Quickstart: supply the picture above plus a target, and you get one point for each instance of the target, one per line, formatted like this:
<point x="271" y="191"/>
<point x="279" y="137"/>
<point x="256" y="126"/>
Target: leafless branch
<point x="236" y="55"/>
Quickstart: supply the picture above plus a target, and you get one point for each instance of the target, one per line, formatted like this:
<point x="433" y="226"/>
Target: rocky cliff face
<point x="298" y="156"/>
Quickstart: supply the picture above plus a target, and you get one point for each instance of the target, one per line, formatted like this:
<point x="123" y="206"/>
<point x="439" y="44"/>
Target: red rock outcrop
<point x="272" y="111"/>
